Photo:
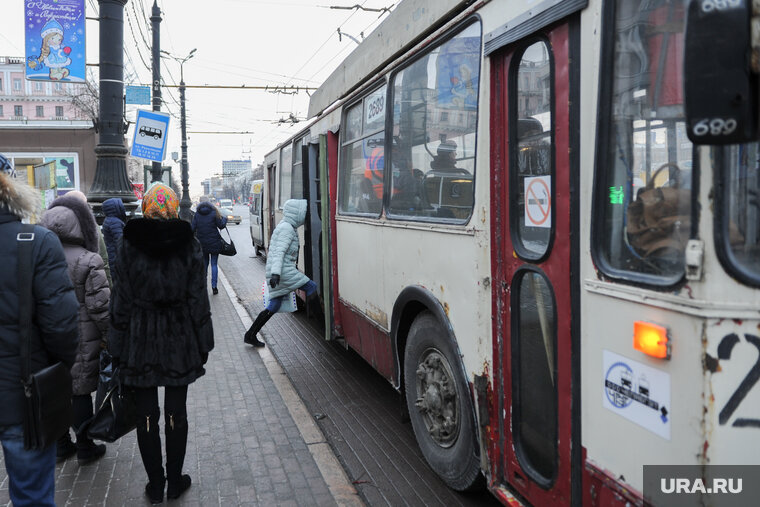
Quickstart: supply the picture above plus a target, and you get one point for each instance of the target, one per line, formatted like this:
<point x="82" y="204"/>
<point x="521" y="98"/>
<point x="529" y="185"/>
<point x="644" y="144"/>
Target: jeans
<point x="214" y="267"/>
<point x="31" y="474"/>
<point x="275" y="303"/>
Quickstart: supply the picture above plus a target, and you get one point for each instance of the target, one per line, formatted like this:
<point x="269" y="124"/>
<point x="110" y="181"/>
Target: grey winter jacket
<point x="283" y="249"/>
<point x="54" y="330"/>
<point x="86" y="270"/>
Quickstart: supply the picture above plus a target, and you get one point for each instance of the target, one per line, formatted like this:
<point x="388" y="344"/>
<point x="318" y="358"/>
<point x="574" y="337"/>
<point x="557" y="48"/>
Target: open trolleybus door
<point x="312" y="178"/>
<point x="535" y="229"/>
<point x="271" y="204"/>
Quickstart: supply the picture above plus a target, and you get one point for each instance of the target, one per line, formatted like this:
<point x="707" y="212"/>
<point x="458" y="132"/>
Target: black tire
<point x="443" y="422"/>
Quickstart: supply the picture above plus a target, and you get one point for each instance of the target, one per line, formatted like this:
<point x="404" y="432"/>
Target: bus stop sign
<point x="149" y="139"/>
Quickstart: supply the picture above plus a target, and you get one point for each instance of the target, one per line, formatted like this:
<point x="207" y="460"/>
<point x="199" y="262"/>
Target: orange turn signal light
<point x="651" y="339"/>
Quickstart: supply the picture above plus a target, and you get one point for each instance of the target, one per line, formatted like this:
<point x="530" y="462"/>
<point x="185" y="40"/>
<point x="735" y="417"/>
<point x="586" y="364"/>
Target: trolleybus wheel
<point x="439" y="405"/>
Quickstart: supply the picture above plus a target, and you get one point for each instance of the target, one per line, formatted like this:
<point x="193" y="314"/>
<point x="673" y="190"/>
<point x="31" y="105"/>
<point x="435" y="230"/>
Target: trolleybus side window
<point x="286" y="161"/>
<point x="739" y="212"/>
<point x="362" y="160"/>
<point x="435" y="112"/>
<point x="644" y="159"/>
<point x="532" y="189"/>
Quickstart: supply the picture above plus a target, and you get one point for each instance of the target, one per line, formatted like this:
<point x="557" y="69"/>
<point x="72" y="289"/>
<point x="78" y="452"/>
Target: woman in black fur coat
<point x="161" y="331"/>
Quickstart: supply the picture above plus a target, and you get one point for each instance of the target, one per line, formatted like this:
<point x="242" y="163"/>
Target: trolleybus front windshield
<point x="644" y="171"/>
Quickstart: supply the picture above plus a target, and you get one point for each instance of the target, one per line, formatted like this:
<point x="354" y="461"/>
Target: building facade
<point x="48" y="139"/>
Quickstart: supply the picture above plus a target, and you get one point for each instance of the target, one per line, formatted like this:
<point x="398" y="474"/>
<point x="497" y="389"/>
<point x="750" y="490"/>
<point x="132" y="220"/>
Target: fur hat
<point x="160" y="202"/>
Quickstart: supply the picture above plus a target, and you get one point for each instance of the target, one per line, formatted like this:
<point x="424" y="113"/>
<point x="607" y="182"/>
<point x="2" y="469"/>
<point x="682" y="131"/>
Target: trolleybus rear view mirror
<point x="719" y="86"/>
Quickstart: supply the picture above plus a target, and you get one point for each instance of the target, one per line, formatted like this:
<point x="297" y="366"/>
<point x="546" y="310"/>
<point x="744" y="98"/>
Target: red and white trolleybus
<point x="540" y="221"/>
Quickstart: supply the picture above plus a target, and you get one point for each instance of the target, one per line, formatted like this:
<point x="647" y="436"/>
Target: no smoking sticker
<point x="538" y="202"/>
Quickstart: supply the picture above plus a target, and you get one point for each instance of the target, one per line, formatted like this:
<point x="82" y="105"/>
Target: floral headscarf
<point x="160" y="202"/>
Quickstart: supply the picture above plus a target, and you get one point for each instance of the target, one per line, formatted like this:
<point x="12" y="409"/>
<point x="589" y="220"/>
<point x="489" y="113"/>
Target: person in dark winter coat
<point x="281" y="270"/>
<point x="113" y="226"/>
<point x="206" y="225"/>
<point x="161" y="332"/>
<point x="72" y="221"/>
<point x="31" y="473"/>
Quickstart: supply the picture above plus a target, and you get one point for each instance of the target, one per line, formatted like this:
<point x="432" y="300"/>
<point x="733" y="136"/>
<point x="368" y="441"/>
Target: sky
<point x="238" y="42"/>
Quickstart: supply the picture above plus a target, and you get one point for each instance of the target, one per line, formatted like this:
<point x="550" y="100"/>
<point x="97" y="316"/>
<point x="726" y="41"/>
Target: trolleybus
<point x="540" y="221"/>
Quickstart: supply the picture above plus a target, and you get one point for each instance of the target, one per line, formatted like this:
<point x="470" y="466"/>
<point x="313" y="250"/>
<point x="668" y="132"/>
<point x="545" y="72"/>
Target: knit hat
<point x="160" y="202"/>
<point x="51" y="26"/>
<point x="6" y="167"/>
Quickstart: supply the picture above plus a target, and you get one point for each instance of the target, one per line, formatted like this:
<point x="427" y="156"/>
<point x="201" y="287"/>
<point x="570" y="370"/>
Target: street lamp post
<point x="111" y="178"/>
<point x="184" y="203"/>
<point x="155" y="20"/>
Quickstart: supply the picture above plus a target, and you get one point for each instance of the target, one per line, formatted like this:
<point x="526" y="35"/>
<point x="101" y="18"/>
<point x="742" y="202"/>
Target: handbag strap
<point x="228" y="233"/>
<point x="25" y="240"/>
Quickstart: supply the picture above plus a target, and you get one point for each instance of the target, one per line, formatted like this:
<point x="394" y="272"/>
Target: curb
<point x="332" y="472"/>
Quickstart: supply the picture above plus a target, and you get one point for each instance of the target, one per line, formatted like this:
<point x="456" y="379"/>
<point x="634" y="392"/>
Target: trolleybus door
<point x="532" y="247"/>
<point x="272" y="185"/>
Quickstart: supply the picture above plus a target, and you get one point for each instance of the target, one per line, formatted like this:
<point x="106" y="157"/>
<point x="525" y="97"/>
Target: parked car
<point x="232" y="218"/>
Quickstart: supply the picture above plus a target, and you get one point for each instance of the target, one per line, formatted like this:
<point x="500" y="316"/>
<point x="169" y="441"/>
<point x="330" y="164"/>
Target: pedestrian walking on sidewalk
<point x="71" y="219"/>
<point x="113" y="227"/>
<point x="207" y="223"/>
<point x="161" y="331"/>
<point x="31" y="473"/>
<point x="102" y="249"/>
<point x="281" y="271"/>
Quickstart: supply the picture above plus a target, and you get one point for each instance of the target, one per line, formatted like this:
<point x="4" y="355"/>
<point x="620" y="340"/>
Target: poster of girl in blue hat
<point x="55" y="40"/>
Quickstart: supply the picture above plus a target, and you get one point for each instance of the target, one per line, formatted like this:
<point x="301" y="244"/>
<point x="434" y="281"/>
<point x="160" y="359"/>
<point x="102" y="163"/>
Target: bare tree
<point x="85" y="98"/>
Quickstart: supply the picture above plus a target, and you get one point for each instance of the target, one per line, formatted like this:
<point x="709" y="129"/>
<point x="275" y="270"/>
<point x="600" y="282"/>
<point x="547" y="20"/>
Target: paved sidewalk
<point x="356" y="408"/>
<point x="244" y="446"/>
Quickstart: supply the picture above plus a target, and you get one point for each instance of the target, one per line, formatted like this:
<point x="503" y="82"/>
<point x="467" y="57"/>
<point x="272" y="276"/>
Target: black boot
<point x="65" y="448"/>
<point x="176" y="443"/>
<point x="149" y="442"/>
<point x="87" y="450"/>
<point x="250" y="335"/>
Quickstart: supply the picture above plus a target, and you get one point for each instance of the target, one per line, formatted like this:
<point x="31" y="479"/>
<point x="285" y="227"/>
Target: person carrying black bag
<point x="31" y="473"/>
<point x="161" y="331"/>
<point x="207" y="223"/>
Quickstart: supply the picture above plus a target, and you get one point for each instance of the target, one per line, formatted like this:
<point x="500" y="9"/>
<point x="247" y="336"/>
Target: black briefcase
<point x="48" y="406"/>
